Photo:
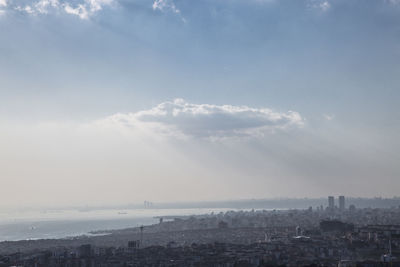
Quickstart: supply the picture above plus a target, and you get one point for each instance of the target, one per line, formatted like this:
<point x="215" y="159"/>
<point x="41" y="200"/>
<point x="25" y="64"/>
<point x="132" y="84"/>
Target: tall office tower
<point x="331" y="202"/>
<point x="341" y="203"/>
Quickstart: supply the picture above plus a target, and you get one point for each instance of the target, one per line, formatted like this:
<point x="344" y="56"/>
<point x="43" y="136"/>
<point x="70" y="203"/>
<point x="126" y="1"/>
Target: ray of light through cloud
<point x="248" y="96"/>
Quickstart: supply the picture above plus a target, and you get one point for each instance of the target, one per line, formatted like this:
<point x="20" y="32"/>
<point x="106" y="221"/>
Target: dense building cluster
<point x="315" y="236"/>
<point x="295" y="251"/>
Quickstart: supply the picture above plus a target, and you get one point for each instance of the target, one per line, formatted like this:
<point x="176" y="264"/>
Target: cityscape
<point x="221" y="133"/>
<point x="332" y="234"/>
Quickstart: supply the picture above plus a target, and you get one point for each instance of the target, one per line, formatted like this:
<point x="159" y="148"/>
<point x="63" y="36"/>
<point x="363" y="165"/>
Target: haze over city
<point x="121" y="101"/>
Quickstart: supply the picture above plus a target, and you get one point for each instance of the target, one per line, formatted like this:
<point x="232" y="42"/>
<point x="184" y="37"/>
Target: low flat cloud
<point x="181" y="118"/>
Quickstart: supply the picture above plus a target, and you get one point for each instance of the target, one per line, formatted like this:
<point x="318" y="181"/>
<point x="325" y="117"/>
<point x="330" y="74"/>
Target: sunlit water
<point x="21" y="225"/>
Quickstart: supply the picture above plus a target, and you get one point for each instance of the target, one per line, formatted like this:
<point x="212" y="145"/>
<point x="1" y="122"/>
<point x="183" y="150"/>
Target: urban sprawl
<point x="318" y="236"/>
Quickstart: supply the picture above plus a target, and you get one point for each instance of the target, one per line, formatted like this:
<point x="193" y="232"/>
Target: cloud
<point x="167" y="6"/>
<point x="328" y="117"/>
<point x="321" y="5"/>
<point x="183" y="119"/>
<point x="394" y="2"/>
<point x="164" y="5"/>
<point x="84" y="9"/>
<point x="43" y="5"/>
<point x="80" y="11"/>
<point x="26" y="9"/>
<point x="3" y="4"/>
<point x="324" y="6"/>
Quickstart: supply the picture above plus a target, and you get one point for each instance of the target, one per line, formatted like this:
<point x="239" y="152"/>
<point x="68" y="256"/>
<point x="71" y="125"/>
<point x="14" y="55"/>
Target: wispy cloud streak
<point x="167" y="6"/>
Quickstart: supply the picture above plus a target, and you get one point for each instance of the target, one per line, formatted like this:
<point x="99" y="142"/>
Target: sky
<point x="121" y="101"/>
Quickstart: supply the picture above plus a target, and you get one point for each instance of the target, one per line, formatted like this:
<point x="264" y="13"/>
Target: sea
<point x="68" y="223"/>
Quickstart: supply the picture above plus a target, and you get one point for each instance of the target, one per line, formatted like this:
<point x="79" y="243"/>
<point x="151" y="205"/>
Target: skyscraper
<point x="331" y="202"/>
<point x="341" y="203"/>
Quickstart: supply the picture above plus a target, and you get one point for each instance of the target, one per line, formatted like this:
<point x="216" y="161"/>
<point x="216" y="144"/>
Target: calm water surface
<point x="21" y="225"/>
